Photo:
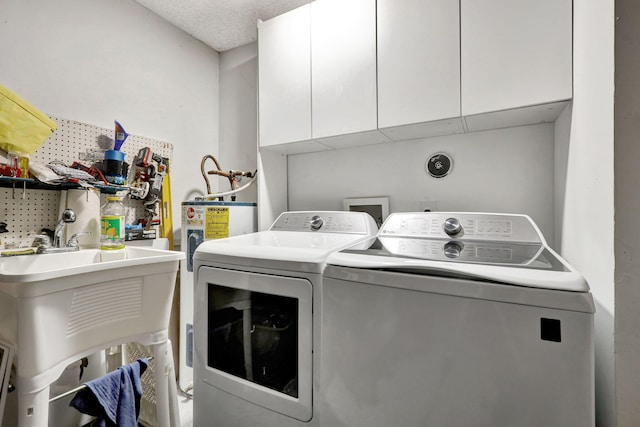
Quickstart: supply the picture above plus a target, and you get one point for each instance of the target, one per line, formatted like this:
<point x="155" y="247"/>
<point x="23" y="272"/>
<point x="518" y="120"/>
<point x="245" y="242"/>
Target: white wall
<point x="587" y="236"/>
<point x="508" y="170"/>
<point x="94" y="61"/>
<point x="238" y="114"/>
<point x="562" y="138"/>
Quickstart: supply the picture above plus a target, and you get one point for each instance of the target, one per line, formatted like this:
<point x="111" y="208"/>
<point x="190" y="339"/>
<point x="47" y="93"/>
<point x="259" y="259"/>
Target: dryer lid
<point x="297" y="241"/>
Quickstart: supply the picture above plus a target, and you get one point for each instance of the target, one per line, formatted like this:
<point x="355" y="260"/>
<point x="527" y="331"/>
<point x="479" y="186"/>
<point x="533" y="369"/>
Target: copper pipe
<point x="204" y="175"/>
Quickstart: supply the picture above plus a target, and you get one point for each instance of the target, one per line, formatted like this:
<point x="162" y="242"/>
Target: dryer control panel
<point x="326" y="222"/>
<point x="462" y="226"/>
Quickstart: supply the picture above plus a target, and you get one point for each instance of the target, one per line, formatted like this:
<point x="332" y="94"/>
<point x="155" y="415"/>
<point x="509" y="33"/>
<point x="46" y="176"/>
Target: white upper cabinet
<point x="338" y="73"/>
<point x="418" y="67"/>
<point x="284" y="78"/>
<point x="343" y="69"/>
<point x="515" y="53"/>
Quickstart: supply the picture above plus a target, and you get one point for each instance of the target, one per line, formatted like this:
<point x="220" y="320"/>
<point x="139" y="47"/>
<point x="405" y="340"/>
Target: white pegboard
<point x="73" y="139"/>
<point x="28" y="211"/>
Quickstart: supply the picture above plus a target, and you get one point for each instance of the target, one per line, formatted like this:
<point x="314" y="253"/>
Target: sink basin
<point x="31" y="275"/>
<point x="35" y="267"/>
<point x="57" y="308"/>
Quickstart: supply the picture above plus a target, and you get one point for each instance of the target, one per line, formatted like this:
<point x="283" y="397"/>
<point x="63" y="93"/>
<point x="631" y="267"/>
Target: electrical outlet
<point x="428" y="206"/>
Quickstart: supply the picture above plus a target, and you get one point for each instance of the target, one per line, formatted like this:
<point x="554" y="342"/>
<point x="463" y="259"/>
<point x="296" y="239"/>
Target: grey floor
<point x="186" y="411"/>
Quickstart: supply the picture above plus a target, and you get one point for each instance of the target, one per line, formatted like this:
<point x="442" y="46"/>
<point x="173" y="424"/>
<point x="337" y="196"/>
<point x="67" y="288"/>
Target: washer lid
<point x="523" y="264"/>
<point x="506" y="254"/>
<point x="505" y="248"/>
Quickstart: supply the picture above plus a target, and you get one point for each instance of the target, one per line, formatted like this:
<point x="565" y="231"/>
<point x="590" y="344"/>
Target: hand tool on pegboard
<point x="151" y="185"/>
<point x="166" y="222"/>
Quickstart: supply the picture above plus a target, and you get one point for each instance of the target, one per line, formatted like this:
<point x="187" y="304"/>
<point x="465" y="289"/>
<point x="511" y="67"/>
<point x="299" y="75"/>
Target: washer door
<point x="254" y="338"/>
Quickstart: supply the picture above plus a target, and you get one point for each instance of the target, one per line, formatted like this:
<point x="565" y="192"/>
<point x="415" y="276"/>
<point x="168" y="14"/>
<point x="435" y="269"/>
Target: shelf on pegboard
<point x="34" y="184"/>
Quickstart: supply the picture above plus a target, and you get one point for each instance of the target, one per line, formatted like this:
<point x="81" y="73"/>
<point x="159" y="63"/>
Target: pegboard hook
<point x="24" y="190"/>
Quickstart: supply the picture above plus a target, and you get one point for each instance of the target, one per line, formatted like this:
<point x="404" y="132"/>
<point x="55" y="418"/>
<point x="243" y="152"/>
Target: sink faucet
<point x="67" y="216"/>
<point x="44" y="244"/>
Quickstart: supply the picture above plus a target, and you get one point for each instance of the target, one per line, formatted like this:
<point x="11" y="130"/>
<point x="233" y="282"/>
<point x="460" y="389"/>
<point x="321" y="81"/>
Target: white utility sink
<point x="17" y="271"/>
<point x="57" y="308"/>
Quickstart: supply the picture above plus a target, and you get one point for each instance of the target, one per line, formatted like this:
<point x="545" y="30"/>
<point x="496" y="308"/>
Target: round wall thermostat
<point x="439" y="165"/>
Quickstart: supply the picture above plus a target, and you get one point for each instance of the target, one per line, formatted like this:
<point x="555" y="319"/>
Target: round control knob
<point x="316" y="222"/>
<point x="453" y="249"/>
<point x="452" y="226"/>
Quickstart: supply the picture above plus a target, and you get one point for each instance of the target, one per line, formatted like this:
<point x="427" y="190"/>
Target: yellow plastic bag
<point x="23" y="128"/>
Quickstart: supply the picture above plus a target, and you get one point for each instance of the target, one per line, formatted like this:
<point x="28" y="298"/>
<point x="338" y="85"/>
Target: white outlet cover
<point x="377" y="207"/>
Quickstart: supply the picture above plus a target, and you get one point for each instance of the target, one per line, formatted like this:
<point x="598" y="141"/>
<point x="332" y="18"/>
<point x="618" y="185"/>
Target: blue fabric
<point x="114" y="398"/>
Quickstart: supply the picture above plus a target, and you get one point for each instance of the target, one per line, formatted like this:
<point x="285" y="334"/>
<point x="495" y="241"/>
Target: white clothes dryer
<point x="257" y="317"/>
<point x="455" y="319"/>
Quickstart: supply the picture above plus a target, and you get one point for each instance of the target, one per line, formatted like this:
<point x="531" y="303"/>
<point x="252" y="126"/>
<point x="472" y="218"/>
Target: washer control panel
<point x="469" y="251"/>
<point x="326" y="222"/>
<point x="462" y="226"/>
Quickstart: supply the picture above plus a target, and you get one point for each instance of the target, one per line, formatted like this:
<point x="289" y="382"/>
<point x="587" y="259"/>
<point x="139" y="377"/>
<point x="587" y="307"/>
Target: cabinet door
<point x="515" y="53"/>
<point x="284" y="78"/>
<point x="343" y="67"/>
<point x="418" y="61"/>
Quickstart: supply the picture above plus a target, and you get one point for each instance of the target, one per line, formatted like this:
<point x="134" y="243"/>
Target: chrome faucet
<point x="44" y="244"/>
<point x="67" y="216"/>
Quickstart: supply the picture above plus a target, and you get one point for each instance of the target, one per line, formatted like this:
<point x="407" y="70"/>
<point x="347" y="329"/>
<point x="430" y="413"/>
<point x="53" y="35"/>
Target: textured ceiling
<point x="221" y="24"/>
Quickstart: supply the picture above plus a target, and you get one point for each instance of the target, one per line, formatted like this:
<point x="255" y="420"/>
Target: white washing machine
<point x="257" y="317"/>
<point x="455" y="319"/>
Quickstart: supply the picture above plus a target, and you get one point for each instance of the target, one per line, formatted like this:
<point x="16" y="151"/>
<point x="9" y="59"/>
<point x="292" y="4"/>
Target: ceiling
<point x="221" y="24"/>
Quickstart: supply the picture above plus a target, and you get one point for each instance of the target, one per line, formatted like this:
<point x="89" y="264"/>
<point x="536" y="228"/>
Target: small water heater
<point x="204" y="220"/>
